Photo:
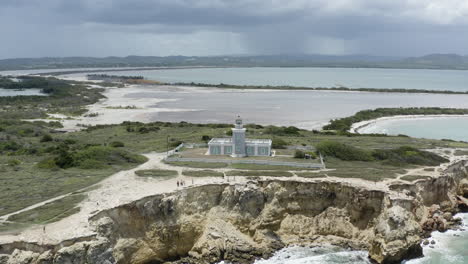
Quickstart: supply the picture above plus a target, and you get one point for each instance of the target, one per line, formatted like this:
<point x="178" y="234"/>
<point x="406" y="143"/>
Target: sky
<point x="99" y="28"/>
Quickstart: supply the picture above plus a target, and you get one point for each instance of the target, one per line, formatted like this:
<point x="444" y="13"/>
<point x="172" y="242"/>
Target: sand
<point x="361" y="126"/>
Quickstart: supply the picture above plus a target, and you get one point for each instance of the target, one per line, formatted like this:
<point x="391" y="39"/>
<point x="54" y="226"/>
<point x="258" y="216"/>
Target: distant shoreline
<point x="359" y="126"/>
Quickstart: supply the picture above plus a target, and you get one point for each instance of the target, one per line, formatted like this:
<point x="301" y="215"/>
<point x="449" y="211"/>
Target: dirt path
<point x="122" y="187"/>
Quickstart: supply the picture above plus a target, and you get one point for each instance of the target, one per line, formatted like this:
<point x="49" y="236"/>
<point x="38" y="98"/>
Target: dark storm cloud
<point x="208" y="27"/>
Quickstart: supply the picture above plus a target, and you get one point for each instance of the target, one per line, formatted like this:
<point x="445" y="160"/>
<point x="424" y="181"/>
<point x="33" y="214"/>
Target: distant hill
<point x="433" y="61"/>
<point x="439" y="60"/>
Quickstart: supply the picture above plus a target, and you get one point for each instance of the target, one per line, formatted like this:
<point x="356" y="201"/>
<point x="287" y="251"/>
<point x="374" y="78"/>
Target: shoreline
<point x="359" y="126"/>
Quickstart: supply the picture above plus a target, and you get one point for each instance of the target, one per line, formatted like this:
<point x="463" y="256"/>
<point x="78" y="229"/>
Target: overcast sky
<point x="38" y="28"/>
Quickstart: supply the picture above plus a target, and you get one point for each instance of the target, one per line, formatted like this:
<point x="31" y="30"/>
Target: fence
<point x="247" y="161"/>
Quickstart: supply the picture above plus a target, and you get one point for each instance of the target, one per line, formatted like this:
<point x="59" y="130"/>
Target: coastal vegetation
<point x="344" y="124"/>
<point x="401" y="156"/>
<point x="202" y="173"/>
<point x="64" y="97"/>
<point x="339" y="88"/>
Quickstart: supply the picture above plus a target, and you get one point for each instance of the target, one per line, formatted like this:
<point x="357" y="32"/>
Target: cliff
<point x="241" y="222"/>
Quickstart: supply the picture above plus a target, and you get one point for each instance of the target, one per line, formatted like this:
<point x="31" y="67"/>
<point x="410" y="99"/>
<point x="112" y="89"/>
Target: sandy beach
<point x="361" y="127"/>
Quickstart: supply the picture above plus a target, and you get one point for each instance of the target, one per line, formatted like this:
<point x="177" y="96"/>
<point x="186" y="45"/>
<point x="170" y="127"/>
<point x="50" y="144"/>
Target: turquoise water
<point x="314" y="77"/>
<point x="455" y="128"/>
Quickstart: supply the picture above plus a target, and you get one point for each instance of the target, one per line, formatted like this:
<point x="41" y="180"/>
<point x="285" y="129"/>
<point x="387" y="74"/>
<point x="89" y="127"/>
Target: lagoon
<point x="455" y="80"/>
<point x="25" y="92"/>
<point x="455" y="128"/>
<point x="304" y="109"/>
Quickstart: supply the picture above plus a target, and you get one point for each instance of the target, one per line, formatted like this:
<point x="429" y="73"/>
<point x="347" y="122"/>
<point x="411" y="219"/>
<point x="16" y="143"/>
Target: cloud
<point x="210" y="27"/>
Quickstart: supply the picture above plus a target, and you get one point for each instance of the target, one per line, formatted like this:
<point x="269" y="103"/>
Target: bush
<point x="206" y="138"/>
<point x="278" y="143"/>
<point x="282" y="131"/>
<point x="408" y="155"/>
<point x="117" y="144"/>
<point x="69" y="141"/>
<point x="343" y="151"/>
<point x="47" y="164"/>
<point x="14" y="162"/>
<point x="46" y="138"/>
<point x="299" y="154"/>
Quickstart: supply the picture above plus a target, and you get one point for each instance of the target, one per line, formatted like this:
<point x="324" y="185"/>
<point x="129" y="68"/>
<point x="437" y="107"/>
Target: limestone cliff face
<point x="240" y="222"/>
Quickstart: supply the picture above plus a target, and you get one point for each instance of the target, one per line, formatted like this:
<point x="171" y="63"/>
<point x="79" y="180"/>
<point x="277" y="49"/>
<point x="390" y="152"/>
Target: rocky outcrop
<point x="241" y="222"/>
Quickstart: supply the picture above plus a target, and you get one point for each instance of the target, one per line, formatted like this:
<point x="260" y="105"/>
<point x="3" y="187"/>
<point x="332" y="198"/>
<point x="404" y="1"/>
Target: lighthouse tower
<point x="238" y="139"/>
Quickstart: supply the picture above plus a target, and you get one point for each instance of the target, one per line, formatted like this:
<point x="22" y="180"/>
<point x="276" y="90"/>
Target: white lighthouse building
<point x="238" y="145"/>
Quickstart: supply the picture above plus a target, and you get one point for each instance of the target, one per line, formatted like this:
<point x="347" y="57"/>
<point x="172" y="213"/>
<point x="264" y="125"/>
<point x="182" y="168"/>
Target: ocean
<point x="450" y="247"/>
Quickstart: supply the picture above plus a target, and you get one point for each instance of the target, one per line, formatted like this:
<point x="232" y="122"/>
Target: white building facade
<point x="238" y="145"/>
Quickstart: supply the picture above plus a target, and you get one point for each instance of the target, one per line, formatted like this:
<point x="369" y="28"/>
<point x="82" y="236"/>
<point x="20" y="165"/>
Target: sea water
<point x="455" y="128"/>
<point x="316" y="255"/>
<point x="304" y="109"/>
<point x="313" y="77"/>
<point x="450" y="247"/>
<point x="12" y="92"/>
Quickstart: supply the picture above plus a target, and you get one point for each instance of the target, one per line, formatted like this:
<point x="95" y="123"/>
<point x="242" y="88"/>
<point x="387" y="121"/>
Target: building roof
<point x="247" y="141"/>
<point x="220" y="140"/>
<point x="258" y="141"/>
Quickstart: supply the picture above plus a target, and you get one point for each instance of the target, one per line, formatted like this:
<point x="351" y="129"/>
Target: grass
<point x="156" y="173"/>
<point x="310" y="175"/>
<point x="202" y="173"/>
<point x="50" y="212"/>
<point x="412" y="178"/>
<point x="25" y="184"/>
<point x="370" y="171"/>
<point x="256" y="173"/>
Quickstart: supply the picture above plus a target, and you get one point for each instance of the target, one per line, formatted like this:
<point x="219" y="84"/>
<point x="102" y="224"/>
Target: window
<point x="227" y="150"/>
<point x="250" y="150"/>
<point x="215" y="150"/>
<point x="263" y="151"/>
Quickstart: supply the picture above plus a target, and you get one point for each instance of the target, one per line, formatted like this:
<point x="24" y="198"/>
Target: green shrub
<point x="46" y="138"/>
<point x="117" y="144"/>
<point x="47" y="164"/>
<point x="408" y="155"/>
<point x="343" y="151"/>
<point x="299" y="154"/>
<point x="14" y="162"/>
<point x="282" y="131"/>
<point x="206" y="138"/>
<point x="90" y="164"/>
<point x="278" y="143"/>
<point x="69" y="141"/>
<point x="202" y="173"/>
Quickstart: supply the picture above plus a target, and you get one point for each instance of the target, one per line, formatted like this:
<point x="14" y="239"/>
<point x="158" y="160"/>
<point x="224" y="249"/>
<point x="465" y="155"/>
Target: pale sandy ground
<point x="110" y="109"/>
<point x="122" y="187"/>
<point x="360" y="126"/>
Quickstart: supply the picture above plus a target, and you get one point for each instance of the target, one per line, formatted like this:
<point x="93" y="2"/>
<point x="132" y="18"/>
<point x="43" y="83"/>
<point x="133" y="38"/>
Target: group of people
<point x="180" y="183"/>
